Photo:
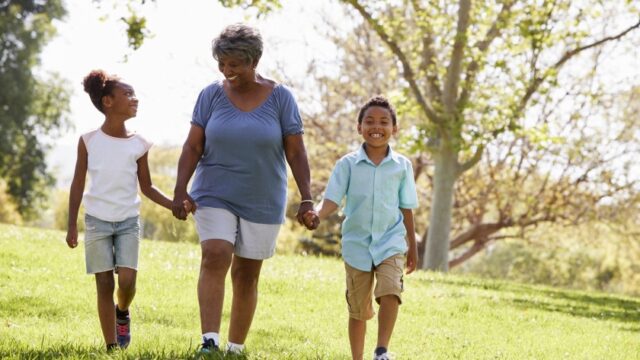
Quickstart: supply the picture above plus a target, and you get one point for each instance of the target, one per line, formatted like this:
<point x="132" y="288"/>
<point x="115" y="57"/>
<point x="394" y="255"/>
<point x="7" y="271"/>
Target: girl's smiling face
<point x="377" y="127"/>
<point x="122" y="100"/>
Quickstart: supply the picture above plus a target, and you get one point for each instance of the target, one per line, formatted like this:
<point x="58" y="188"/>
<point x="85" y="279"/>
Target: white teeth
<point x="232" y="77"/>
<point x="376" y="135"/>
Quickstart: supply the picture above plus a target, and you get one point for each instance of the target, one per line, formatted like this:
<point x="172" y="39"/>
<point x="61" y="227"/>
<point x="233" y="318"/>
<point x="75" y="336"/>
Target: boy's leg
<point x="387" y="316"/>
<point x="106" y="308"/>
<point x="359" y="297"/>
<point x="357" y="332"/>
<point x="389" y="286"/>
<point x="244" y="276"/>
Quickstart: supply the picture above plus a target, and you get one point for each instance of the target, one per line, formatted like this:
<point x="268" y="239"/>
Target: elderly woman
<point x="242" y="129"/>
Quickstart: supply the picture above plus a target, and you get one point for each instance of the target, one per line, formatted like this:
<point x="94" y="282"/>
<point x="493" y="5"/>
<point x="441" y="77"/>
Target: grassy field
<point x="47" y="310"/>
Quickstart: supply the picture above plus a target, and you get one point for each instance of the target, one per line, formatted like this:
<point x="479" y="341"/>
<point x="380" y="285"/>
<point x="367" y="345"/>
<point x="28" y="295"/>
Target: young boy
<point x="380" y="195"/>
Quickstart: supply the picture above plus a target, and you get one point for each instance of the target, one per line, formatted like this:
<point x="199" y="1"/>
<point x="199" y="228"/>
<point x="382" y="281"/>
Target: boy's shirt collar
<point x="362" y="155"/>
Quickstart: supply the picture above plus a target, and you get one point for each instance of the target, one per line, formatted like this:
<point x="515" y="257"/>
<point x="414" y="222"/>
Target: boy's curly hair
<point x="380" y="101"/>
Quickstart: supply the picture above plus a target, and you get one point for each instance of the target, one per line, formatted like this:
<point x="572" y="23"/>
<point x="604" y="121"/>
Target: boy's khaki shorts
<point x="360" y="286"/>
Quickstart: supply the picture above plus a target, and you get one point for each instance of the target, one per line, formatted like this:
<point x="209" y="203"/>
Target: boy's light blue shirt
<point x="373" y="228"/>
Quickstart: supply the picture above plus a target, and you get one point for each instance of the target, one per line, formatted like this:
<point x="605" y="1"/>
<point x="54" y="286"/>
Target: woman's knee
<point x="216" y="255"/>
<point x="245" y="278"/>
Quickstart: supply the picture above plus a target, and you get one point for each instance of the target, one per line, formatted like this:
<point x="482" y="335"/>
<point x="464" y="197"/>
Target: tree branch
<point x="537" y="81"/>
<point x="477" y="156"/>
<point x="476" y="248"/>
<point x="428" y="64"/>
<point x="483" y="46"/>
<point x="452" y="81"/>
<point x="476" y="232"/>
<point x="406" y="66"/>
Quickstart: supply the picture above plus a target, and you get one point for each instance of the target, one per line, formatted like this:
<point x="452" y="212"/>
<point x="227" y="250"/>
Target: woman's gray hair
<point x="238" y="40"/>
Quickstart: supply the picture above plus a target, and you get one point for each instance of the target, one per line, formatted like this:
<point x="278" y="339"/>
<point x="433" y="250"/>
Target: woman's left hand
<point x="304" y="209"/>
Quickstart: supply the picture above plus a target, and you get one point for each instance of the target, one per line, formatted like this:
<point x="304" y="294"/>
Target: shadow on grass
<point x="569" y="302"/>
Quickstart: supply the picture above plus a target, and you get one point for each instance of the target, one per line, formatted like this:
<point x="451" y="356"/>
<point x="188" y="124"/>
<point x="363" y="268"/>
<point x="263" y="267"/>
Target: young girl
<point x="117" y="161"/>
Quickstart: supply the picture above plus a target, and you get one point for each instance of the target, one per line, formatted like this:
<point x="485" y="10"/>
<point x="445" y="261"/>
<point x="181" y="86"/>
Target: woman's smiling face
<point x="236" y="70"/>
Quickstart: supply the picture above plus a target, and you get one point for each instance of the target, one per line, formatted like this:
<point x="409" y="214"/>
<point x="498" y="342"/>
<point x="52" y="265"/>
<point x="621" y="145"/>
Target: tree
<point x="567" y="166"/>
<point x="30" y="107"/>
<point x="475" y="71"/>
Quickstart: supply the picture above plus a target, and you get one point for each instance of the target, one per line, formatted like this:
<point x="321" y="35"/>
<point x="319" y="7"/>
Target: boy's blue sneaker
<point x="123" y="328"/>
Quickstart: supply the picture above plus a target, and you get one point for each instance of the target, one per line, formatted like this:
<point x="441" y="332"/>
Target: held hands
<point x="311" y="219"/>
<point x="189" y="207"/>
<point x="307" y="216"/>
<point x="182" y="205"/>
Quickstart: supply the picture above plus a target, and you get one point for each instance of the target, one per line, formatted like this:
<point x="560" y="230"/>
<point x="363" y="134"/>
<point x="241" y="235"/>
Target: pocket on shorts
<point x="400" y="261"/>
<point x="90" y="223"/>
<point x="94" y="229"/>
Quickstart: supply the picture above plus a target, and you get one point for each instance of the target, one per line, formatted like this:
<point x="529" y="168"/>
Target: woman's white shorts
<point x="250" y="240"/>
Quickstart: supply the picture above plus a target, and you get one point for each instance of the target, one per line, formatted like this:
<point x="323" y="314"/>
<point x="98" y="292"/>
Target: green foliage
<point x="8" y="209"/>
<point x="30" y="107"/>
<point x="61" y="211"/>
<point x="262" y="6"/>
<point x="137" y="30"/>
<point x="301" y="313"/>
<point x="572" y="257"/>
<point x="136" y="24"/>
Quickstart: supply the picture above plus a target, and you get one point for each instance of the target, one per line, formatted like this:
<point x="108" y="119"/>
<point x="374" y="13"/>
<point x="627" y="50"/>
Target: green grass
<point x="47" y="310"/>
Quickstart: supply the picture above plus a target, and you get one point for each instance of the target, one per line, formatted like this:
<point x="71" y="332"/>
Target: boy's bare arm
<point x="412" y="253"/>
<point x="327" y="208"/>
<point x="75" y="194"/>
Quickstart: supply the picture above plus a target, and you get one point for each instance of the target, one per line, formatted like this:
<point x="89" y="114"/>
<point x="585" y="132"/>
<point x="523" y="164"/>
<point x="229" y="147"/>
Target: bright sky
<point x="170" y="69"/>
<point x="175" y="64"/>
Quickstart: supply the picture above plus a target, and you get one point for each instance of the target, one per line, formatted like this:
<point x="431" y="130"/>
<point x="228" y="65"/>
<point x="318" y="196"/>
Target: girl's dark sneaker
<point x="123" y="328"/>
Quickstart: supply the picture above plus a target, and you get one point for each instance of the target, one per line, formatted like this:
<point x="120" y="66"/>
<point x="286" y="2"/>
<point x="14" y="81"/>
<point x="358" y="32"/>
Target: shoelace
<point x="122" y="329"/>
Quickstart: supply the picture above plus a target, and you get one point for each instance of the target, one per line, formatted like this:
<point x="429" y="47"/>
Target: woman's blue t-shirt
<point x="243" y="167"/>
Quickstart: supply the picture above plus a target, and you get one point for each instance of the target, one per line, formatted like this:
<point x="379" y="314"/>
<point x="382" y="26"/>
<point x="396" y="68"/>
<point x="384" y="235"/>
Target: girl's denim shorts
<point x="109" y="245"/>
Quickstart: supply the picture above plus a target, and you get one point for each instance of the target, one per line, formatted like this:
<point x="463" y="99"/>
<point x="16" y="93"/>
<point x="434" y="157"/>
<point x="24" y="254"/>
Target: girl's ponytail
<point x="98" y="84"/>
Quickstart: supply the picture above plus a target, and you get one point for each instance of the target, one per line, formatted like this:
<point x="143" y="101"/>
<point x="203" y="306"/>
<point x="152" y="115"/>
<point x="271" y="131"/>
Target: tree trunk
<point x="436" y="253"/>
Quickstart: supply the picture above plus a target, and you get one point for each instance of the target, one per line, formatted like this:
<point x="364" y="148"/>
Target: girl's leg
<point x="106" y="310"/>
<point x="126" y="287"/>
<point x="357" y="331"/>
<point x="216" y="259"/>
<point x="244" y="276"/>
<point x="387" y="316"/>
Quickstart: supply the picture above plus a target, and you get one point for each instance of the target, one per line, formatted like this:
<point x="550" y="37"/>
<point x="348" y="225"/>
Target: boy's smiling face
<point x="377" y="127"/>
